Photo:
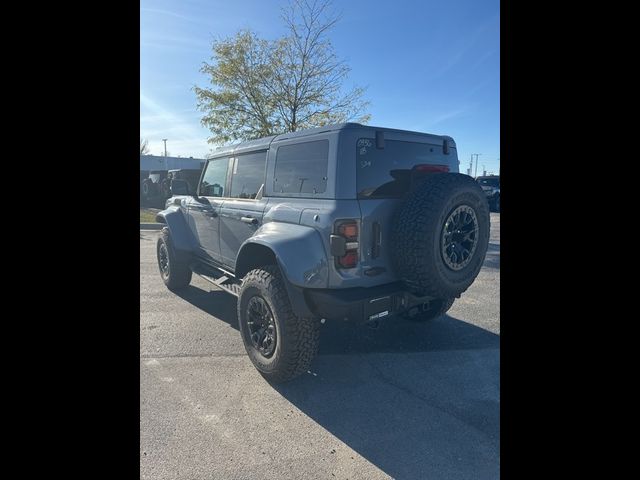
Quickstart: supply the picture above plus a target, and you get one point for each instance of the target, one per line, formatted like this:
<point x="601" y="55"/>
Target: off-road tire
<point x="297" y="338"/>
<point x="437" y="308"/>
<point x="165" y="189"/>
<point x="147" y="189"/>
<point x="179" y="274"/>
<point x="416" y="236"/>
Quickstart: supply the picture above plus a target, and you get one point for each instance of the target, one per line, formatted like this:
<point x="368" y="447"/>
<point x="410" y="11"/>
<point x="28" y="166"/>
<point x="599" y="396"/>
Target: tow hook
<point x="373" y="324"/>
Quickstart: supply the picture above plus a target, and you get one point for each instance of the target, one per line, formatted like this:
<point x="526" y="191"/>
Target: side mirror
<point x="179" y="187"/>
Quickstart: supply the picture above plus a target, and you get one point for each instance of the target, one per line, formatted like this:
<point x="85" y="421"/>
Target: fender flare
<point x="300" y="256"/>
<point x="175" y="220"/>
<point x="298" y="250"/>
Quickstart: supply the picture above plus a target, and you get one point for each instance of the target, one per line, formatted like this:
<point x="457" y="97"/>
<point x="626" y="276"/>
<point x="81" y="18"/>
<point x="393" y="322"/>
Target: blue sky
<point x="430" y="66"/>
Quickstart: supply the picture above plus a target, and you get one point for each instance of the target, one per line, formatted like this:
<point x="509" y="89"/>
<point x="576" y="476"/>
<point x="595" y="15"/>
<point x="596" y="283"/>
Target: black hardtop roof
<point x="265" y="142"/>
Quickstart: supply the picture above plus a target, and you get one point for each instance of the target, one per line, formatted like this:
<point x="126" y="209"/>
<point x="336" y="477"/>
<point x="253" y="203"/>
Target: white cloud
<point x="169" y="13"/>
<point x="186" y="137"/>
<point x="448" y="115"/>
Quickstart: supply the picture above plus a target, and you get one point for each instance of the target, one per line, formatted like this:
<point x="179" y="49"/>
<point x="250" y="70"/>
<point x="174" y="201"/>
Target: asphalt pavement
<point x="405" y="401"/>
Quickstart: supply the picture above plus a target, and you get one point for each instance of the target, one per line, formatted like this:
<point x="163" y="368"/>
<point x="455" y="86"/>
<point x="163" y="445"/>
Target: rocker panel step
<point x="230" y="287"/>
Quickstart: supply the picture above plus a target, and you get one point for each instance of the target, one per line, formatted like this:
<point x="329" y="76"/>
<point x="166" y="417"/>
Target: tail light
<point x="344" y="244"/>
<point x="431" y="168"/>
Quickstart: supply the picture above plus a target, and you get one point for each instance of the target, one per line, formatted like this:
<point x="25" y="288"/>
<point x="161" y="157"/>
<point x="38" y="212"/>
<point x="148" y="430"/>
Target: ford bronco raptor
<point x="347" y="222"/>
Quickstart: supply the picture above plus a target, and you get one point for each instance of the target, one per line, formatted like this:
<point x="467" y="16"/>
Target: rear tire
<point x="165" y="188"/>
<point x="280" y="345"/>
<point x="173" y="265"/>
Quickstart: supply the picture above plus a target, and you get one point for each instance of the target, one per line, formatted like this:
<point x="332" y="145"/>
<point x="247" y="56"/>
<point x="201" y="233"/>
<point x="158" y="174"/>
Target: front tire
<point x="173" y="265"/>
<point x="280" y="345"/>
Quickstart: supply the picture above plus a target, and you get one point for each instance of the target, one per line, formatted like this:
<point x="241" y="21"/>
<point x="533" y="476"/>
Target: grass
<point x="148" y="215"/>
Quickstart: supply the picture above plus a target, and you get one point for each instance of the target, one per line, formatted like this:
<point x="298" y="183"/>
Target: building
<point x="153" y="162"/>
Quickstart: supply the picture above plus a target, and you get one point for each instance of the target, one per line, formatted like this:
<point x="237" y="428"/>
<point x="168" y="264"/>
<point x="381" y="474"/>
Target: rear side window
<point x="389" y="172"/>
<point x="302" y="168"/>
<point x="215" y="178"/>
<point x="248" y="175"/>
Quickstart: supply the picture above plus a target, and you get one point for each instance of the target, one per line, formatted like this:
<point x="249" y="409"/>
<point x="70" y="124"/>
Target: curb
<point x="151" y="226"/>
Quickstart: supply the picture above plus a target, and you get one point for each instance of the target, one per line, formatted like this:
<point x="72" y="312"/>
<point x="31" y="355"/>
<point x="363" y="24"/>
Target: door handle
<point x="211" y="213"/>
<point x="250" y="220"/>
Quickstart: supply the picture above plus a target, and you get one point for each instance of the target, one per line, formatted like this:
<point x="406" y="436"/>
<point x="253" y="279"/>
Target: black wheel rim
<point x="261" y="326"/>
<point x="163" y="260"/>
<point x="459" y="237"/>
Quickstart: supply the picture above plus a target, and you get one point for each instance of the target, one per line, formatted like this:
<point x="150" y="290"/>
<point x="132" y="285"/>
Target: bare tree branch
<point x="144" y="146"/>
<point x="261" y="87"/>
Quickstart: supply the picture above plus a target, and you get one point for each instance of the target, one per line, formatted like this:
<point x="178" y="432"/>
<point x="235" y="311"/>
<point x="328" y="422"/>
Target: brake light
<point x="431" y="168"/>
<point x="346" y="245"/>
<point x="349" y="231"/>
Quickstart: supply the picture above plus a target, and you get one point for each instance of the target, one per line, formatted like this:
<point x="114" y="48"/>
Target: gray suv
<point x="346" y="222"/>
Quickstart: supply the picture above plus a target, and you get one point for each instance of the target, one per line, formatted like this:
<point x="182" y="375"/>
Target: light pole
<point x="165" y="147"/>
<point x="477" y="155"/>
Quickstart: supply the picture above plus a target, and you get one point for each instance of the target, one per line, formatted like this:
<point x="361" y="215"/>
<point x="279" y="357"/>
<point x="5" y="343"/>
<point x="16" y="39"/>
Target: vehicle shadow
<point x="492" y="259"/>
<point x="216" y="303"/>
<point x="417" y="400"/>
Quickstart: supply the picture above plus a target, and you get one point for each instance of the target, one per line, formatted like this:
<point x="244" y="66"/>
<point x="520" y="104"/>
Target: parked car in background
<point x="491" y="186"/>
<point x="191" y="176"/>
<point x="157" y="172"/>
<point x="156" y="188"/>
<point x="150" y="187"/>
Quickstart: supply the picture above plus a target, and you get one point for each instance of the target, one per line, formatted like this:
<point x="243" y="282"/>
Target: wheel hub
<point x="262" y="327"/>
<point x="459" y="237"/>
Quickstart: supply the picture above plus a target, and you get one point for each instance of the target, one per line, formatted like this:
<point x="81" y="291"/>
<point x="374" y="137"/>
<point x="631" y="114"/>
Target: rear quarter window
<point x="302" y="168"/>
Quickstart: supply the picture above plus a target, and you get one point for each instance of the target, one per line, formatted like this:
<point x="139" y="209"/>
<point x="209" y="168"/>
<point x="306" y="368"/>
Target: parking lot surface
<point x="405" y="401"/>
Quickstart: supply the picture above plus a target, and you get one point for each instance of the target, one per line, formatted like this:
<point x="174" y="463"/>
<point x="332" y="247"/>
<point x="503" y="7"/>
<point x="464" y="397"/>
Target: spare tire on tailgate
<point x="440" y="235"/>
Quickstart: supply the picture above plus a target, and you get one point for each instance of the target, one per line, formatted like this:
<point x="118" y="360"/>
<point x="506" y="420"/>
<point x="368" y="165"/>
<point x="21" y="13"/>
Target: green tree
<point x="238" y="106"/>
<point x="260" y="87"/>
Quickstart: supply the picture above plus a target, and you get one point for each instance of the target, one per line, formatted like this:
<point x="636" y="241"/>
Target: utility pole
<point x="165" y="147"/>
<point x="470" y="166"/>
<point x="484" y="170"/>
<point x="477" y="155"/>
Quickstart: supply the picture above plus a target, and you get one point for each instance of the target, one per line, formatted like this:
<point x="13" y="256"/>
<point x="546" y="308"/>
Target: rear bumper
<point x="363" y="304"/>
